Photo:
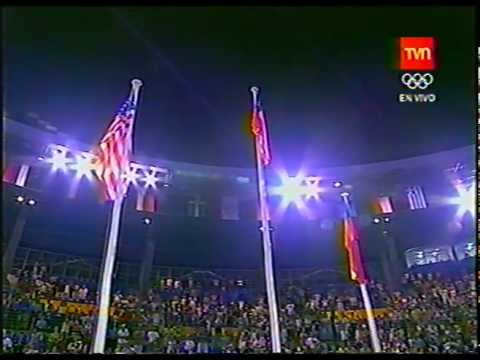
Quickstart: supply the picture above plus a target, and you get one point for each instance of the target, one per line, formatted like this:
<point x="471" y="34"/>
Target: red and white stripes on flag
<point x="15" y="174"/>
<point x="114" y="151"/>
<point x="416" y="198"/>
<point x="383" y="205"/>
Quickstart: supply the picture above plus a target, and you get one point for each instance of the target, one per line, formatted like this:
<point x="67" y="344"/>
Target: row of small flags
<point x="147" y="200"/>
<point x="16" y="174"/>
<point x="415" y="197"/>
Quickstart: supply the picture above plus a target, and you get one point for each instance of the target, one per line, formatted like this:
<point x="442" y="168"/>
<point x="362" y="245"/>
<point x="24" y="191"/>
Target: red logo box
<point x="417" y="53"/>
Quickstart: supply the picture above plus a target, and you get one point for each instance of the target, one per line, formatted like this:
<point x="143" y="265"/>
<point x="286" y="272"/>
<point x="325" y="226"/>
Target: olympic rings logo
<point x="417" y="80"/>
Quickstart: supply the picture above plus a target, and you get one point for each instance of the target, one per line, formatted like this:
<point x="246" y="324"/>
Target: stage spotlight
<point x="465" y="200"/>
<point x="296" y="189"/>
<point x="337" y="184"/>
<point x="376" y="220"/>
<point x="20" y="199"/>
<point x="291" y="190"/>
<point x="311" y="188"/>
<point x="147" y="221"/>
<point x="151" y="179"/>
<point x="31" y="202"/>
<point x="59" y="159"/>
<point x="386" y="219"/>
<point x="84" y="165"/>
<point x="345" y="194"/>
<point x="131" y="175"/>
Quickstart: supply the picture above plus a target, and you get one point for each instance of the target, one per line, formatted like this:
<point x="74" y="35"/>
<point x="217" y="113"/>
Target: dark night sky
<point x="329" y="88"/>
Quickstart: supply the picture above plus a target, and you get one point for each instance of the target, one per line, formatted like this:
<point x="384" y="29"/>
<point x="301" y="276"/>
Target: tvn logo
<point x="417" y="59"/>
<point x="417" y="53"/>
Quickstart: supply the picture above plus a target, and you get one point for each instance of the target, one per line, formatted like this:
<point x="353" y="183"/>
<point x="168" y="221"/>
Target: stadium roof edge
<point x="448" y="158"/>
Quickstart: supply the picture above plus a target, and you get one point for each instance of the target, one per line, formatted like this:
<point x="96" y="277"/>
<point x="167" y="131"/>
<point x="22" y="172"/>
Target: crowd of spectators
<point x="429" y="313"/>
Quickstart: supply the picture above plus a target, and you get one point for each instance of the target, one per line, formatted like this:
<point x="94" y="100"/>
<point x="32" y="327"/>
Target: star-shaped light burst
<point x="465" y="200"/>
<point x="132" y="175"/>
<point x="151" y="178"/>
<point x="58" y="158"/>
<point x="291" y="190"/>
<point x="296" y="190"/>
<point x="84" y="165"/>
<point x="312" y="189"/>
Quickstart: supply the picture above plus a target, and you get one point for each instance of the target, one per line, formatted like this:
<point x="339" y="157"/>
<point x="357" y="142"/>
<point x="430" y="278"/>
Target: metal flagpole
<point x="357" y="272"/>
<point x="106" y="280"/>
<point x="109" y="257"/>
<point x="267" y="246"/>
<point x="370" y="318"/>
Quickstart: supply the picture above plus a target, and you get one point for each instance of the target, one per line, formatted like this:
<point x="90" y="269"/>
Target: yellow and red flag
<point x="259" y="130"/>
<point x="352" y="244"/>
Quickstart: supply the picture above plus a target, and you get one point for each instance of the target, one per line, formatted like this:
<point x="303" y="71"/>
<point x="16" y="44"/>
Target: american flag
<point x="352" y="245"/>
<point x="259" y="130"/>
<point x="114" y="151"/>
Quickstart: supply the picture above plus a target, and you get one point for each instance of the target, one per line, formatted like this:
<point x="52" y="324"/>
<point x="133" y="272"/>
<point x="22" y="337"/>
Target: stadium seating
<point x="432" y="313"/>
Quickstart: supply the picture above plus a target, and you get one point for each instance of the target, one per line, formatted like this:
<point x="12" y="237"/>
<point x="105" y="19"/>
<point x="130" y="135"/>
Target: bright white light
<point x="296" y="190"/>
<point x="31" y="202"/>
<point x="84" y="165"/>
<point x="376" y="220"/>
<point x="150" y="178"/>
<point x="291" y="190"/>
<point x="465" y="200"/>
<point x="132" y="175"/>
<point x="312" y="189"/>
<point x="386" y="219"/>
<point x="20" y="199"/>
<point x="337" y="184"/>
<point x="59" y="159"/>
<point x="345" y="194"/>
<point x="147" y="221"/>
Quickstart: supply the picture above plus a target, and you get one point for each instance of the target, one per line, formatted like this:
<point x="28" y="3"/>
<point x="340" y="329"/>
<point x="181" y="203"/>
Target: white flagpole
<point x="267" y="246"/>
<point x="366" y="301"/>
<point x="109" y="258"/>
<point x="370" y="318"/>
<point x="106" y="279"/>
